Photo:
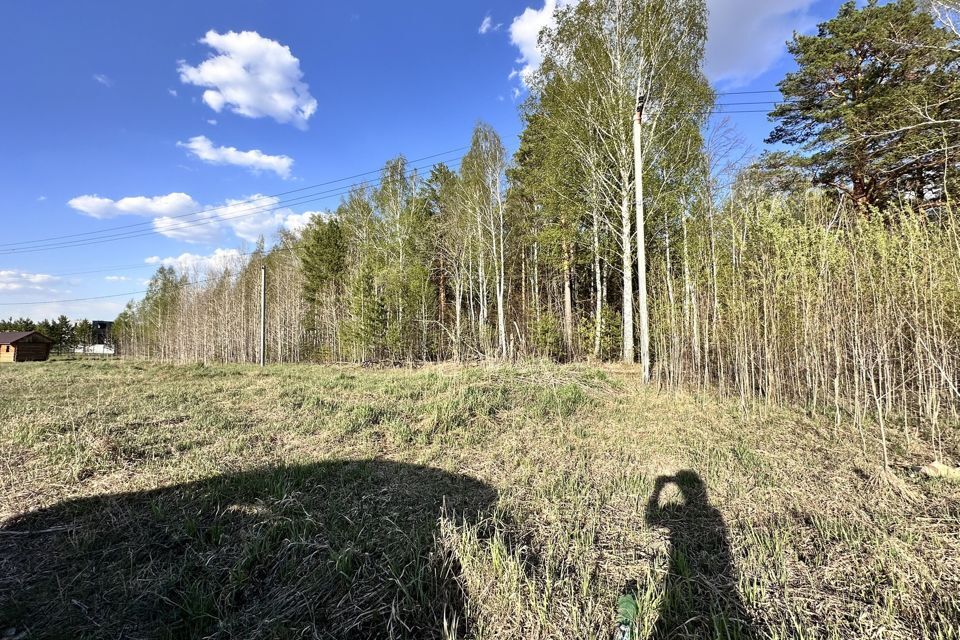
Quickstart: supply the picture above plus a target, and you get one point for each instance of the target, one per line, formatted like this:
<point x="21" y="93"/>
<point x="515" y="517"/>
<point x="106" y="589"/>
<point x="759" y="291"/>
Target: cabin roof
<point x="11" y="337"/>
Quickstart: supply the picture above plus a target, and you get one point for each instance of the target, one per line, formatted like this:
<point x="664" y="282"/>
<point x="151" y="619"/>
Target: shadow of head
<point x="338" y="549"/>
<point x="700" y="590"/>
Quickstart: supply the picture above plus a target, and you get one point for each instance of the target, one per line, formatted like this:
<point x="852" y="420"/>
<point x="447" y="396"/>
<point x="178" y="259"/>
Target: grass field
<point x="148" y="501"/>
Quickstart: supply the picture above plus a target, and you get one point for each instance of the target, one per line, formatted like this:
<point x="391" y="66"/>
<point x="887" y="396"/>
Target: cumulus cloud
<point x="296" y="222"/>
<point x="103" y="79"/>
<point x="252" y="76"/>
<point x="180" y="217"/>
<point x="249" y="221"/>
<point x="205" y="227"/>
<point x="255" y="160"/>
<point x="745" y="37"/>
<point x="219" y="260"/>
<point x="524" y="32"/>
<point x="117" y="278"/>
<point x="11" y="281"/>
<point x="169" y="205"/>
<point x="248" y="218"/>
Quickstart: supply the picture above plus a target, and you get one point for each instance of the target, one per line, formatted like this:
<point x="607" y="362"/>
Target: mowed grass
<point x="149" y="501"/>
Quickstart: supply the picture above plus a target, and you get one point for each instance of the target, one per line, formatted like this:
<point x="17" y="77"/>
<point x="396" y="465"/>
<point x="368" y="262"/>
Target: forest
<point x="631" y="225"/>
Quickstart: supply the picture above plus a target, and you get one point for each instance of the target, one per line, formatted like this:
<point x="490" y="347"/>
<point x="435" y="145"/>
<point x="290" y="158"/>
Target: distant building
<point x="24" y="346"/>
<point x="98" y="349"/>
<point x="101" y="331"/>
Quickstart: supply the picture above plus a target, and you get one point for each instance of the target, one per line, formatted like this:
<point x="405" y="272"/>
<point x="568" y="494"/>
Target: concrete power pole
<point x="263" y="314"/>
<point x="641" y="240"/>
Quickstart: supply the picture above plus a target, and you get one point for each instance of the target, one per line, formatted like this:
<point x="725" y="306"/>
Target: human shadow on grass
<point x="700" y="595"/>
<point x="329" y="550"/>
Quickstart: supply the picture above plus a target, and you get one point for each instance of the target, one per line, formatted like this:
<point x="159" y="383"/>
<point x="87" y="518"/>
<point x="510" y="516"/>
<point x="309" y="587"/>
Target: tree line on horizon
<point x="827" y="275"/>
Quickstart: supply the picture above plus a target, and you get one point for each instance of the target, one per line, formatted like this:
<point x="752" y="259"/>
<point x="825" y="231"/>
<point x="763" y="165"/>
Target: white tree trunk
<point x="644" y="317"/>
<point x="629" y="354"/>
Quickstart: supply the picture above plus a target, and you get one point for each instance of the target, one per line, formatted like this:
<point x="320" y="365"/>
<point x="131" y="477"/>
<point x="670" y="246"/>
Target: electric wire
<point x="221" y="207"/>
<point x="242" y="213"/>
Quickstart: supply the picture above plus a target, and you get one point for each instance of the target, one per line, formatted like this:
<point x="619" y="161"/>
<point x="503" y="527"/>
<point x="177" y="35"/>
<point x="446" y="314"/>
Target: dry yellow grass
<point x="139" y="500"/>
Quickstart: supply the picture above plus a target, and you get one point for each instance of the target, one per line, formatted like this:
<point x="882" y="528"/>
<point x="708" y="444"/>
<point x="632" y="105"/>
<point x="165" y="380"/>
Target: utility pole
<point x="263" y="314"/>
<point x="641" y="240"/>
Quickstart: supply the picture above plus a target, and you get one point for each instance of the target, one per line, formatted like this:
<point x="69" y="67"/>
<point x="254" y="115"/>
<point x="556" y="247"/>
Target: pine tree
<point x="874" y="103"/>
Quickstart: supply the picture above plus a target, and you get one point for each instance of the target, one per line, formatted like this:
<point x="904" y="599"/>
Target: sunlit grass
<point x="141" y="500"/>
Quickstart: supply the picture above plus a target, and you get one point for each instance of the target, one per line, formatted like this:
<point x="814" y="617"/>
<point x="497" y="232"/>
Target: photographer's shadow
<point x="331" y="550"/>
<point x="700" y="594"/>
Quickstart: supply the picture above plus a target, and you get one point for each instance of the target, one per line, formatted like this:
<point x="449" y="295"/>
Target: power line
<point x="135" y="293"/>
<point x="745" y="93"/>
<point x="98" y="234"/>
<point x="126" y="235"/>
<point x="132" y="267"/>
<point x="242" y="202"/>
<point x="732" y="104"/>
<point x="716" y="112"/>
<point x="179" y="285"/>
<point x="409" y="173"/>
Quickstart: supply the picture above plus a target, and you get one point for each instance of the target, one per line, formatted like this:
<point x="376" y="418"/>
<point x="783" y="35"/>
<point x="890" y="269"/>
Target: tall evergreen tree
<point x="875" y="103"/>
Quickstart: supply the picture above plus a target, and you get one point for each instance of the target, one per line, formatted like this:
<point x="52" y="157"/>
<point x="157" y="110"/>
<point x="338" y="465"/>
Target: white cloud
<point x="116" y="278"/>
<point x="248" y="218"/>
<point x="296" y="222"/>
<point x="212" y="121"/>
<point x="41" y="198"/>
<point x="180" y="217"/>
<point x="487" y="25"/>
<point x="172" y="92"/>
<point x="255" y="160"/>
<point x="748" y="37"/>
<point x="169" y="205"/>
<point x="11" y="280"/>
<point x="103" y="79"/>
<point x="745" y="37"/>
<point x="195" y="229"/>
<point x="251" y="220"/>
<point x="524" y="32"/>
<point x="219" y="260"/>
<point x="253" y="76"/>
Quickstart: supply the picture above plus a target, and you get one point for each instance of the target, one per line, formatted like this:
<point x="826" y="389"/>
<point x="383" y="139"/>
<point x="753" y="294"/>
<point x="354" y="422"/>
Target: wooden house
<point x="24" y="346"/>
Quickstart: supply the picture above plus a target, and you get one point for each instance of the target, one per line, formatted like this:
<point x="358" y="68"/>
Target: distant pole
<point x="263" y="314"/>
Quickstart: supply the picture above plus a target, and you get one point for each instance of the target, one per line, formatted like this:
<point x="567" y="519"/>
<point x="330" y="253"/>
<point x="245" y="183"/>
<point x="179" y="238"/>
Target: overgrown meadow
<point x="536" y="501"/>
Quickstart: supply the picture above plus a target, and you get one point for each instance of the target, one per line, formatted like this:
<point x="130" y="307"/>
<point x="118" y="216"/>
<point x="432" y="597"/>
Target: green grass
<point x="149" y="501"/>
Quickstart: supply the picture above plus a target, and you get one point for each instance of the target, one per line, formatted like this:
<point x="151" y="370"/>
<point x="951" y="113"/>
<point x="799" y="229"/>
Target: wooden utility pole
<point x="263" y="315"/>
<point x="641" y="240"/>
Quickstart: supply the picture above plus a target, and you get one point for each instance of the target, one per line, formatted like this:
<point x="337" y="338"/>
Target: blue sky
<point x="120" y="114"/>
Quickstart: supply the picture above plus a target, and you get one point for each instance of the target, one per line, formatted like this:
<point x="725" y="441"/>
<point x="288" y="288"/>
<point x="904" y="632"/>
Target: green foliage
<point x="610" y="335"/>
<point x="874" y="102"/>
<point x="547" y="336"/>
<point x="83" y="333"/>
<point x="19" y="324"/>
<point x="323" y="257"/>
